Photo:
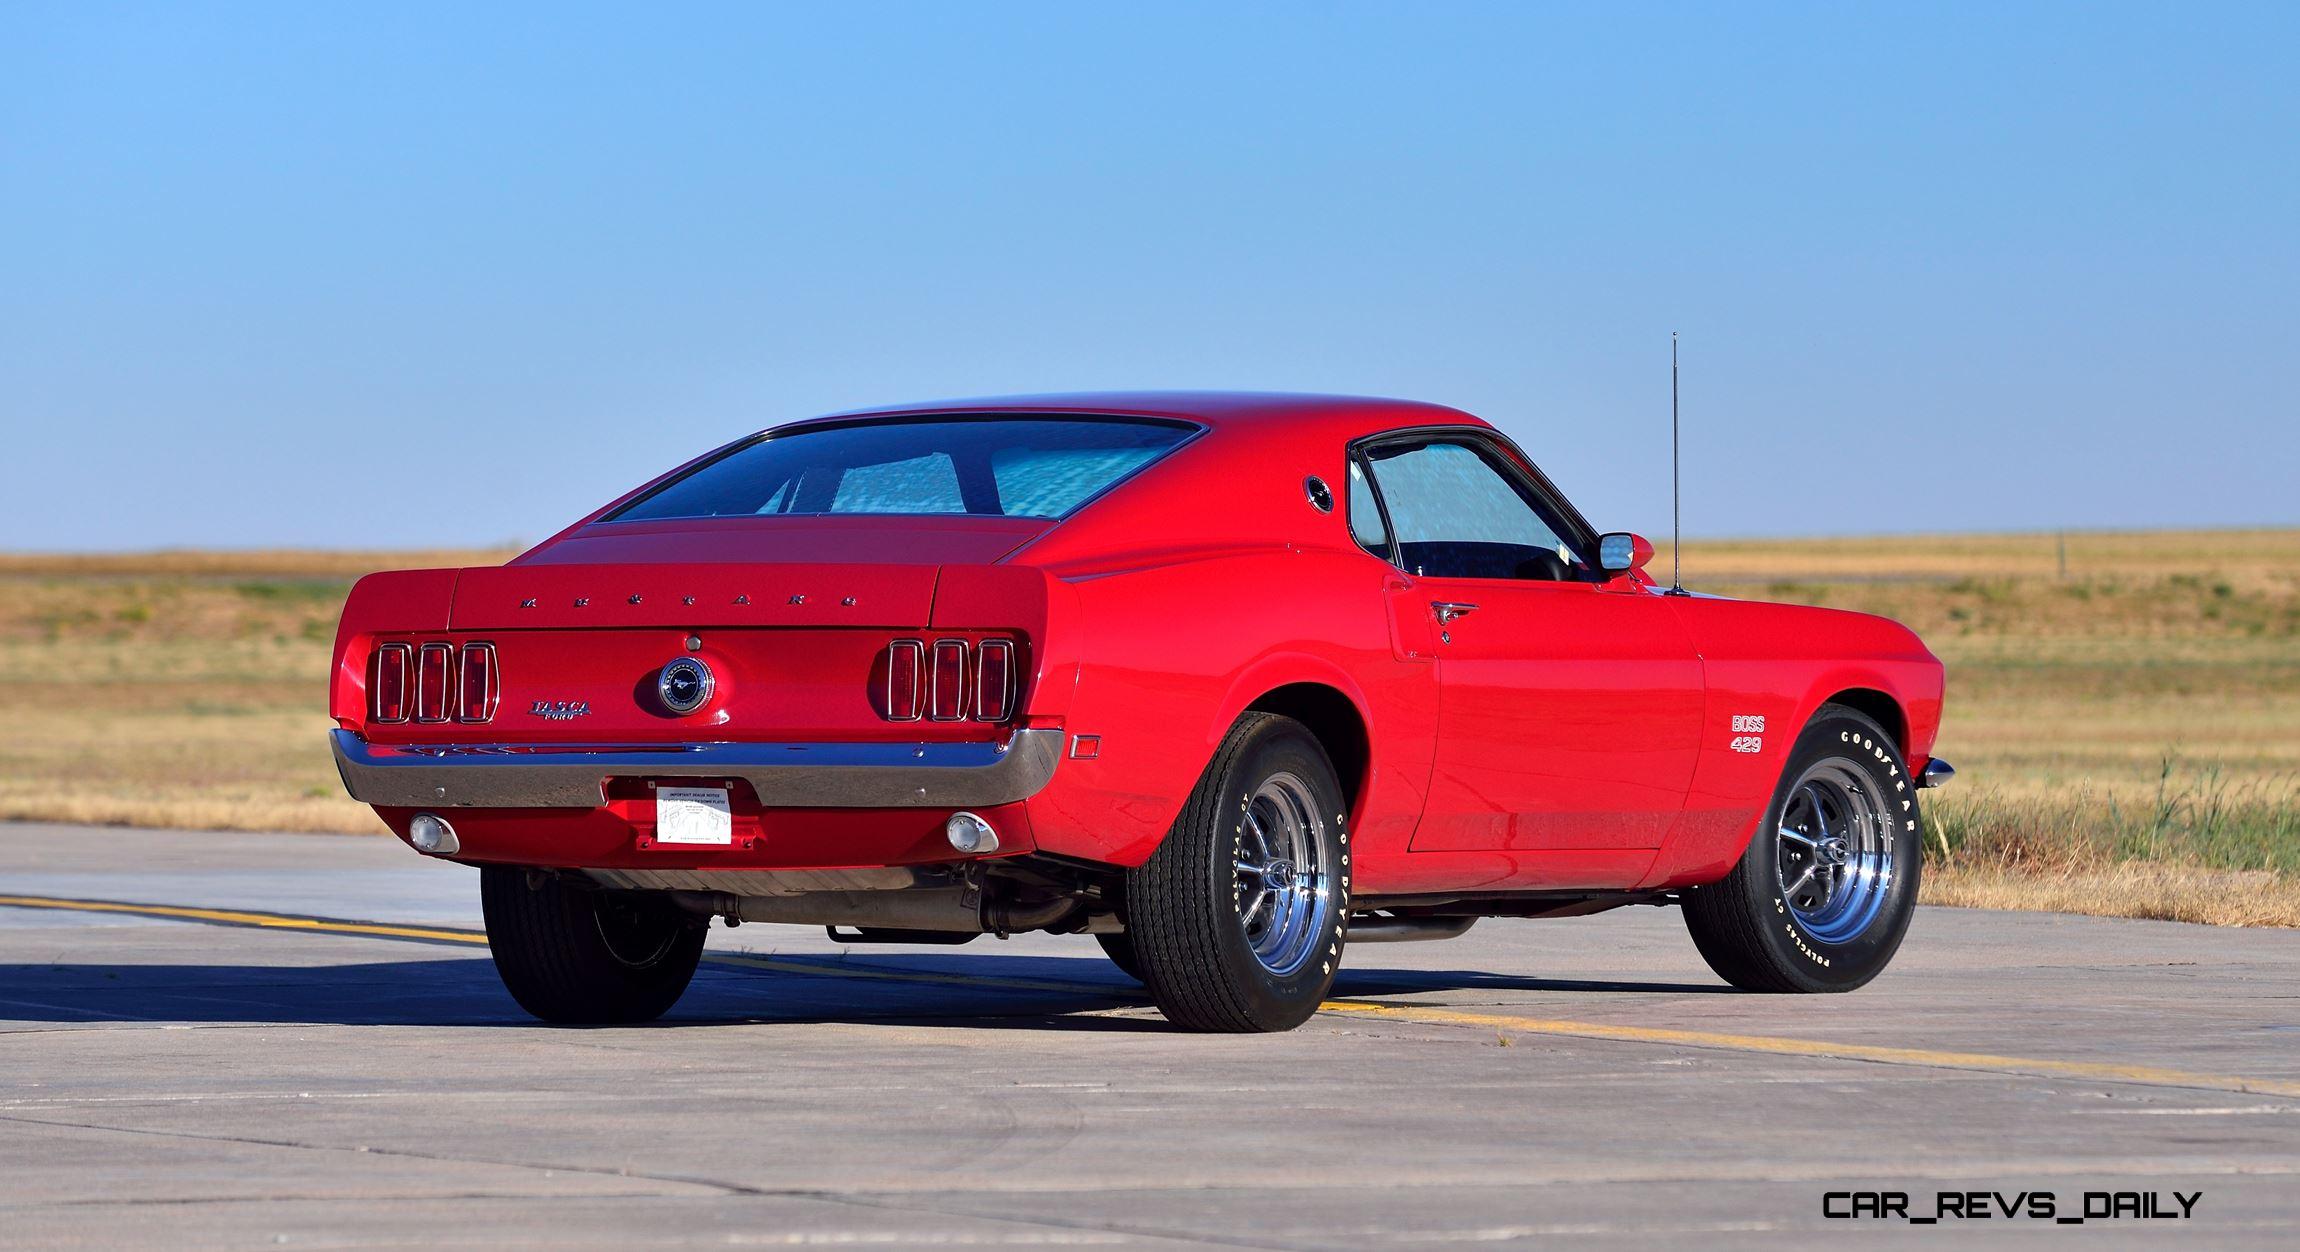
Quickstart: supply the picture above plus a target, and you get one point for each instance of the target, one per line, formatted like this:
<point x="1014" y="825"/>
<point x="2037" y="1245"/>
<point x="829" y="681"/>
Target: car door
<point x="1569" y="707"/>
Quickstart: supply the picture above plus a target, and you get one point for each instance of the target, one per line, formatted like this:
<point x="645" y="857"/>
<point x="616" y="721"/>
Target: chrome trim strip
<point x="785" y="775"/>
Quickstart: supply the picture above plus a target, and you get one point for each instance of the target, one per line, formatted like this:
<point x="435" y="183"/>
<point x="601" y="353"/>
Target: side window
<point x="1366" y="516"/>
<point x="1459" y="515"/>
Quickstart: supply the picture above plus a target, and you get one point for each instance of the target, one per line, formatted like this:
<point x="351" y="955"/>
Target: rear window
<point x="998" y="467"/>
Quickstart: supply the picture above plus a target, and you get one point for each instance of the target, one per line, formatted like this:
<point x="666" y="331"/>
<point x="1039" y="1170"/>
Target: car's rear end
<point x="792" y="682"/>
<point x="540" y="709"/>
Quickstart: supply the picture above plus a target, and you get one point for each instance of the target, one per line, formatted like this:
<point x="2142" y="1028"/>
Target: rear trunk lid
<point x="793" y="617"/>
<point x="851" y="572"/>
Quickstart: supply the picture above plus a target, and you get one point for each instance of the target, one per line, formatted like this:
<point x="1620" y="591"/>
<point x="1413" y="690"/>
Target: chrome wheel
<point x="1282" y="888"/>
<point x="1836" y="852"/>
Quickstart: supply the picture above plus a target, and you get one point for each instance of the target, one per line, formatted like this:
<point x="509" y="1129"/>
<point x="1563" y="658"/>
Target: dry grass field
<point x="2125" y="716"/>
<point x="2124" y="708"/>
<point x="178" y="688"/>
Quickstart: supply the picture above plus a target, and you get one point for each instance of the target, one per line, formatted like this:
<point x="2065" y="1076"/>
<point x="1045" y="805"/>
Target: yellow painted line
<point x="2145" y="1075"/>
<point x="239" y="917"/>
<point x="1927" y="1058"/>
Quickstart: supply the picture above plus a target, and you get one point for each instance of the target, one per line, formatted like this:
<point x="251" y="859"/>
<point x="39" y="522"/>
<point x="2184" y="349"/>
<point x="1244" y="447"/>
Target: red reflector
<point x="949" y="679"/>
<point x="433" y="692"/>
<point x="476" y="688"/>
<point x="905" y="668"/>
<point x="994" y="680"/>
<point x="387" y="690"/>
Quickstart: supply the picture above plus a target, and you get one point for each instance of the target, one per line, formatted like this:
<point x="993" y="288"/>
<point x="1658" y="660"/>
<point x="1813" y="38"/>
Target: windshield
<point x="999" y="467"/>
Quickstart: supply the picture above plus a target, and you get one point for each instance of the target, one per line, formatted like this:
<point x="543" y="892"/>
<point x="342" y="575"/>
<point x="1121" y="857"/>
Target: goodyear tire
<point x="589" y="958"/>
<point x="1824" y="893"/>
<point x="1236" y="921"/>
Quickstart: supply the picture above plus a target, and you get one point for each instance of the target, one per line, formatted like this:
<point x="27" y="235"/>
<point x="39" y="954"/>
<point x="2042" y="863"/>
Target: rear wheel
<point x="587" y="957"/>
<point x="1236" y="921"/>
<point x="1824" y="893"/>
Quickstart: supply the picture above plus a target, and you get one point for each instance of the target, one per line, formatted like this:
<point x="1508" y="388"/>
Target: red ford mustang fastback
<point x="1225" y="681"/>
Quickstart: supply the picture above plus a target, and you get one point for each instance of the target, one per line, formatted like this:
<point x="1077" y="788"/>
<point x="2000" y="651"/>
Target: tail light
<point x="905" y="674"/>
<point x="993" y="680"/>
<point x="949" y="680"/>
<point x="476" y="688"/>
<point x="387" y="689"/>
<point x="434" y="689"/>
<point x="434" y="682"/>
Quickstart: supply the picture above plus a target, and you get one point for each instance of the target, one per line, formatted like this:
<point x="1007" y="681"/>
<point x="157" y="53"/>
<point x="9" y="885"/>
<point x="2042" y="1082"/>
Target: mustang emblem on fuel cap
<point x="685" y="685"/>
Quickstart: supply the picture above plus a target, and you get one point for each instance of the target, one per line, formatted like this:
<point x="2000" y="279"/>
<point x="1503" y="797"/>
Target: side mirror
<point x="1622" y="552"/>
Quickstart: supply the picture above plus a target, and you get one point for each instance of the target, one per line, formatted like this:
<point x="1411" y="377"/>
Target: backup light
<point x="429" y="832"/>
<point x="970" y="834"/>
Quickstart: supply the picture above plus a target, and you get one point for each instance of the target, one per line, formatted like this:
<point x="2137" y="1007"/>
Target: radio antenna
<point x="1676" y="512"/>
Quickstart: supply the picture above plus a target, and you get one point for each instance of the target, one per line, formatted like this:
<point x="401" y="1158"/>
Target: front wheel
<point x="588" y="958"/>
<point x="1824" y="893"/>
<point x="1236" y="921"/>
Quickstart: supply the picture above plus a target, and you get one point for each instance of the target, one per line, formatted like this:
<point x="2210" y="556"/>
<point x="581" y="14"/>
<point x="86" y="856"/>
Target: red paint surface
<point x="1564" y="735"/>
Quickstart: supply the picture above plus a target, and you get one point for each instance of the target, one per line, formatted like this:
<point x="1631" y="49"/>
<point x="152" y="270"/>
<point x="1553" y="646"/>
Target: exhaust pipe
<point x="942" y="910"/>
<point x="1370" y="928"/>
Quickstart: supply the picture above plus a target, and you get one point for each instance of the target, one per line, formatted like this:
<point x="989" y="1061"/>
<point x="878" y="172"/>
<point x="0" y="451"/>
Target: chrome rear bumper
<point x="785" y="775"/>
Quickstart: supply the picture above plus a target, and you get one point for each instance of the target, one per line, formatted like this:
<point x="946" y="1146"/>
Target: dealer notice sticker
<point x="693" y="815"/>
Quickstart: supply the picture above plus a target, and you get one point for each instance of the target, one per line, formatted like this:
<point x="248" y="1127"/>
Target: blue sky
<point x="438" y="274"/>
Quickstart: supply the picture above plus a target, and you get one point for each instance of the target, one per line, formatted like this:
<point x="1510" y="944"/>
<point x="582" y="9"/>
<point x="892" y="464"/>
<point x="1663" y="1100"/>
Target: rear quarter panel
<point x="1769" y="668"/>
<point x="1168" y="654"/>
<point x="393" y="602"/>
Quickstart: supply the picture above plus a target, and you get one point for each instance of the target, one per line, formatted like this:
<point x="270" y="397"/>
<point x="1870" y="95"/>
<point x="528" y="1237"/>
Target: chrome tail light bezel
<point x="985" y="709"/>
<point x="400" y="659"/>
<point x="950" y="680"/>
<point x="957" y="695"/>
<point x="437" y="682"/>
<point x="905" y="656"/>
<point x="425" y="655"/>
<point x="467" y="710"/>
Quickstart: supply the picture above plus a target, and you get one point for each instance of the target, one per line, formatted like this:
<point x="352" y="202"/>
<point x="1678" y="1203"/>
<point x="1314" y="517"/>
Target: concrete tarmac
<point x="205" y="1064"/>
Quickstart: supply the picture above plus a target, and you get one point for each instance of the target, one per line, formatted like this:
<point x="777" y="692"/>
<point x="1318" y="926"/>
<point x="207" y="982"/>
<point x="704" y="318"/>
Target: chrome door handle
<point x="1449" y="611"/>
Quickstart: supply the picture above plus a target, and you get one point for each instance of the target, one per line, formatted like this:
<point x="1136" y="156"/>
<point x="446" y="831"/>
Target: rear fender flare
<point x="1274" y="670"/>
